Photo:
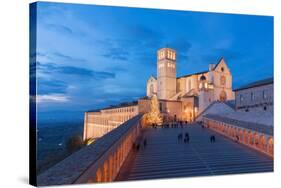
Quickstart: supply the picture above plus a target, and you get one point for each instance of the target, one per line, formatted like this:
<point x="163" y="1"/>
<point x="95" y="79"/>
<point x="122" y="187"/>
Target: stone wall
<point x="255" y="97"/>
<point x="256" y="136"/>
<point x="97" y="162"/>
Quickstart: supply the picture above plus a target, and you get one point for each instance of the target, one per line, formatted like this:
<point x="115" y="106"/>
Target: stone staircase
<point x="166" y="157"/>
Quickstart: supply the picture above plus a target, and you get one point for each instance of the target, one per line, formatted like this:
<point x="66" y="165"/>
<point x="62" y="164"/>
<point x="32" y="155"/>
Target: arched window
<point x="151" y="89"/>
<point x="252" y="96"/>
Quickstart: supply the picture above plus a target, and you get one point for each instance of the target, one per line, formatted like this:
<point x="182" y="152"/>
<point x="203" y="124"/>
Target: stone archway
<point x="99" y="175"/>
<point x="270" y="145"/>
<point x="246" y="137"/>
<point x="241" y="135"/>
<point x="262" y="142"/>
<point x="251" y="138"/>
<point x="223" y="96"/>
<point x="105" y="172"/>
<point x="256" y="140"/>
<point x="110" y="169"/>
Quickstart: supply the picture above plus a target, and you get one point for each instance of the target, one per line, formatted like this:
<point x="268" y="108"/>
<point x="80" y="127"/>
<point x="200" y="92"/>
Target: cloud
<point x="56" y="57"/>
<point x="59" y="28"/>
<point x="60" y="56"/>
<point x="52" y="98"/>
<point x="228" y="54"/>
<point x="117" y="54"/>
<point x="182" y="47"/>
<point x="144" y="33"/>
<point x="51" y="86"/>
<point x="74" y="71"/>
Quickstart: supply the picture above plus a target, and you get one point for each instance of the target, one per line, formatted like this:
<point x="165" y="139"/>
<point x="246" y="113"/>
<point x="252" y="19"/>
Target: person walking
<point x="144" y="142"/>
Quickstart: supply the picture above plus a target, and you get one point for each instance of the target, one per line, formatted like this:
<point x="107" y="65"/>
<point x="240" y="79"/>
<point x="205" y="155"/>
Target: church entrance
<point x="223" y="96"/>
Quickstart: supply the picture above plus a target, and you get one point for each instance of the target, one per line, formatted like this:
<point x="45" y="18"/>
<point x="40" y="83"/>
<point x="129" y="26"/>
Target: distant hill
<point x="52" y="117"/>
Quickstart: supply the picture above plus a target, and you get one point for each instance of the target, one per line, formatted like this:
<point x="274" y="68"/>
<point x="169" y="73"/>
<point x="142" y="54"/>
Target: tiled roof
<point x="197" y="73"/>
<point x="256" y="84"/>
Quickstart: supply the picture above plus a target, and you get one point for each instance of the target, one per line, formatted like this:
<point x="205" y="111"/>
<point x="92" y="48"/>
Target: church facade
<point x="180" y="98"/>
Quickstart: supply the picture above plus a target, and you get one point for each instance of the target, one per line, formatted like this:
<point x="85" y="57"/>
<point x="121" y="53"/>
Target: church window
<point x="241" y="98"/>
<point x="222" y="69"/>
<point x="252" y="96"/>
<point x="160" y="107"/>
<point x="264" y="94"/>
<point x="264" y="108"/>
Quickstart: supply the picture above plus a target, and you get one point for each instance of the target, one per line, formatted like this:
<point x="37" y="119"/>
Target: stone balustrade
<point x="97" y="162"/>
<point x="255" y="136"/>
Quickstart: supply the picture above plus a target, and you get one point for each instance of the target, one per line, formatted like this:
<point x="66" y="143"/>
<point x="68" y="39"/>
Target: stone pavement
<point x="165" y="157"/>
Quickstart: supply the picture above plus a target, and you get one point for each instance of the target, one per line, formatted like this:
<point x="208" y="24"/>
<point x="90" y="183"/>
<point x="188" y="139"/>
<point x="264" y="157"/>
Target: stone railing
<point x="256" y="136"/>
<point x="97" y="162"/>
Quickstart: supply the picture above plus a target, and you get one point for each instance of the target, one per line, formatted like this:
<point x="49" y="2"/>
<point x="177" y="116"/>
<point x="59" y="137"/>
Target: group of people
<point x="139" y="143"/>
<point x="185" y="139"/>
<point x="212" y="138"/>
<point x="175" y="124"/>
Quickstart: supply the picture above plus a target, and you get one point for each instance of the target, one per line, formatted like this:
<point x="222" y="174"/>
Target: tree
<point x="153" y="116"/>
<point x="74" y="143"/>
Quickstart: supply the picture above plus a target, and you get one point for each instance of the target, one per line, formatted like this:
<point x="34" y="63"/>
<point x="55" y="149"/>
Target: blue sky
<point x="89" y="57"/>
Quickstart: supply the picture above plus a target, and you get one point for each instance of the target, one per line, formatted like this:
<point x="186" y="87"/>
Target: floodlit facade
<point x="185" y="97"/>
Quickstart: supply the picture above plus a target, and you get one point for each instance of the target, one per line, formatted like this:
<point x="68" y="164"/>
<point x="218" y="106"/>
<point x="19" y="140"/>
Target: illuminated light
<point x="206" y="85"/>
<point x="210" y="86"/>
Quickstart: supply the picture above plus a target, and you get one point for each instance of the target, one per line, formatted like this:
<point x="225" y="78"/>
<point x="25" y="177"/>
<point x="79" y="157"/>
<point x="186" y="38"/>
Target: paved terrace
<point x="165" y="157"/>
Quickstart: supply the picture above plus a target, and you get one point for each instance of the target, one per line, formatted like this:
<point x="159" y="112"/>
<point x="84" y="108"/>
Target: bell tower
<point x="166" y="73"/>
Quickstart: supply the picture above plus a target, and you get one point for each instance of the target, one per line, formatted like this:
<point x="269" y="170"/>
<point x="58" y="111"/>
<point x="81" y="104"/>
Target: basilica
<point x="187" y="96"/>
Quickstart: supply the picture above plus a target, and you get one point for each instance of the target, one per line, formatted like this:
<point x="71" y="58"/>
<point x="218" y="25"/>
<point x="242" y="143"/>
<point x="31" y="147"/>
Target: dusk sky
<point x="89" y="57"/>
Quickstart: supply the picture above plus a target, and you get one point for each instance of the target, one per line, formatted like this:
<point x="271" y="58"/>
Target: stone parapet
<point x="97" y="162"/>
<point x="256" y="136"/>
